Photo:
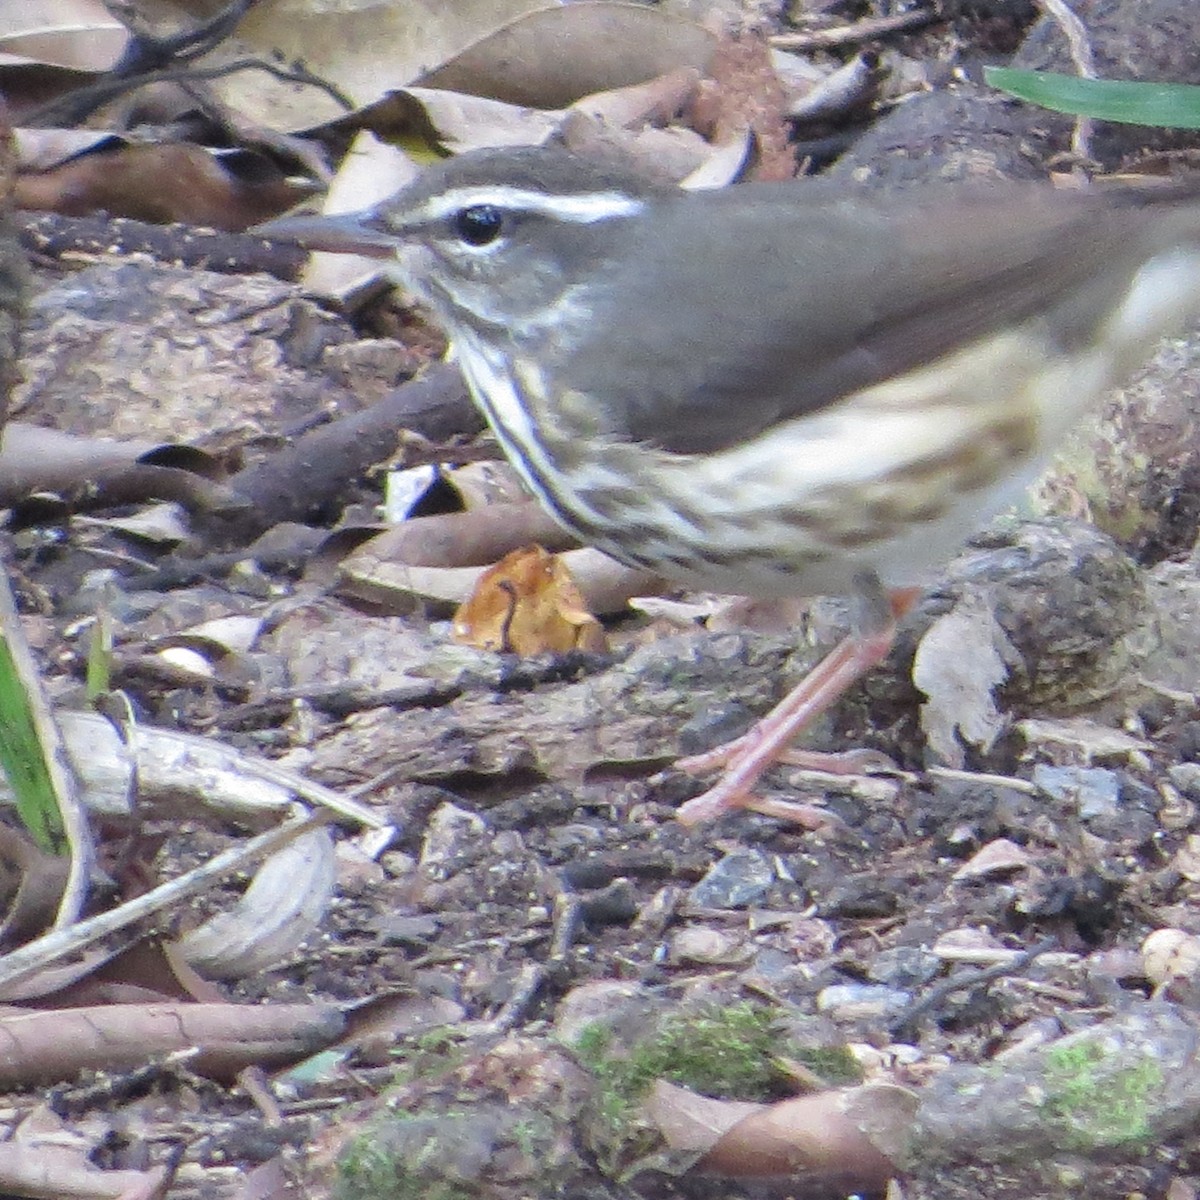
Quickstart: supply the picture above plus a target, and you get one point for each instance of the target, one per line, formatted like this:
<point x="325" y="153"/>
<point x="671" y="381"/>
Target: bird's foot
<point x="744" y="759"/>
<point x="845" y="762"/>
<point x="730" y="791"/>
<point x="720" y="799"/>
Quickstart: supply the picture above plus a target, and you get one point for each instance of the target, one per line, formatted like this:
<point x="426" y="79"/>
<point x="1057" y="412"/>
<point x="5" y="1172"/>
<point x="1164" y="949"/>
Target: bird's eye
<point x="479" y="224"/>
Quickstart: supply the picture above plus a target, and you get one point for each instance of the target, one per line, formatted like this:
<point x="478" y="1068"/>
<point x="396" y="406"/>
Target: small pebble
<point x="737" y="881"/>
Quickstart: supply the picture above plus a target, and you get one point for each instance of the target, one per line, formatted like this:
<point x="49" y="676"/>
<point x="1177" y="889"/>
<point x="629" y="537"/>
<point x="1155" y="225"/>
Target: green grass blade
<point x="23" y="760"/>
<point x="1165" y="105"/>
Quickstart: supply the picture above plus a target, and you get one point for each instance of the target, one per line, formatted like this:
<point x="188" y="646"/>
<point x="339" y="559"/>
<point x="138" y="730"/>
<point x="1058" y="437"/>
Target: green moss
<point x="1100" y="1105"/>
<point x="427" y="1055"/>
<point x="726" y="1052"/>
<point x="435" y="1156"/>
<point x="835" y="1066"/>
<point x="368" y="1170"/>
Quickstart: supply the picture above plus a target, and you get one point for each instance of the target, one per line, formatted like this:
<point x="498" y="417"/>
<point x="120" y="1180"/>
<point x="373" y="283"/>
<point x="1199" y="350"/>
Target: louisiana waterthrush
<point x="779" y="388"/>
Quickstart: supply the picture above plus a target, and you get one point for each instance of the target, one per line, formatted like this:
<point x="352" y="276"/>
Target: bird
<point x="791" y="388"/>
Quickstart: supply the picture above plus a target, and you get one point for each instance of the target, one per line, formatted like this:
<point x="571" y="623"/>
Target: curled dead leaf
<point x="855" y="1135"/>
<point x="284" y="904"/>
<point x="528" y="603"/>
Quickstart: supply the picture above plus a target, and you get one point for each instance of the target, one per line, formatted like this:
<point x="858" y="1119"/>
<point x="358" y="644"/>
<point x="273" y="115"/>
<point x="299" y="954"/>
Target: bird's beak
<point x="345" y="233"/>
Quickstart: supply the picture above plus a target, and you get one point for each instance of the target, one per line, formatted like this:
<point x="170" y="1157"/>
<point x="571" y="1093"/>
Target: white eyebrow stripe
<point x="583" y="208"/>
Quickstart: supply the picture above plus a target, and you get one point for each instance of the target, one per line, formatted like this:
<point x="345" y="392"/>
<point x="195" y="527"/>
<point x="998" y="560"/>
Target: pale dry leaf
<point x="1088" y="739"/>
<point x="976" y="946"/>
<point x="41" y="149"/>
<point x="159" y="524"/>
<point x="460" y="121"/>
<point x="233" y="634"/>
<point x="480" y="484"/>
<point x="723" y="163"/>
<point x="692" y="1123"/>
<point x="400" y="589"/>
<point x="362" y="47"/>
<point x="961" y="660"/>
<point x="80" y="35"/>
<point x="182" y="776"/>
<point x="284" y="904"/>
<point x="51" y="1169"/>
<point x="668" y="155"/>
<point x="404" y="490"/>
<point x="185" y="661"/>
<point x="371" y="171"/>
<point x="1186" y="860"/>
<point x="657" y="101"/>
<point x="706" y="945"/>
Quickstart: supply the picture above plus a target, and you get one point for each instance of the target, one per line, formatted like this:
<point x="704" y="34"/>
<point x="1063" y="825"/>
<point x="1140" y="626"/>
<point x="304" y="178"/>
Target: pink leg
<point x="747" y="757"/>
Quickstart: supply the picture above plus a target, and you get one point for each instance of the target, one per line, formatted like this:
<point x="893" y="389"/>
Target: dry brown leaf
<point x="393" y="586"/>
<point x="852" y="1135"/>
<point x="44" y="1047"/>
<point x="33" y="458"/>
<point x="374" y="1028"/>
<point x="745" y="94"/>
<point x="552" y="57"/>
<point x="39" y="881"/>
<point x="471" y="539"/>
<point x="528" y="604"/>
<point x="148" y="971"/>
<point x="159" y="182"/>
<point x="692" y="1123"/>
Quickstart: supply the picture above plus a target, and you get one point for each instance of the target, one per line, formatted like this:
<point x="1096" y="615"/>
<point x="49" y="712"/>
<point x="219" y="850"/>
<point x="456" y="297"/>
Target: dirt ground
<point x="988" y="954"/>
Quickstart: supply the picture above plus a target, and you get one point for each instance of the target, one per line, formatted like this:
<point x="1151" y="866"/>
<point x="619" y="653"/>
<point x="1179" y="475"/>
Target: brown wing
<point x="809" y="295"/>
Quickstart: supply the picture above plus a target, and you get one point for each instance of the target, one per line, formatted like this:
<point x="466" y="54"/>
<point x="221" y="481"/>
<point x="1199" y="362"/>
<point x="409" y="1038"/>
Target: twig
<point x="64" y="110"/>
<point x="968" y="979"/>
<point x="55" y="235"/>
<point x="860" y="31"/>
<point x="147" y="51"/>
<point x="1080" y="48"/>
<point x="529" y="982"/>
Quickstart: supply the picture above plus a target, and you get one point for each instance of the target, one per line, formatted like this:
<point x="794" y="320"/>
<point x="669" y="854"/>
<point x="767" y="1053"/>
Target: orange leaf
<point x="527" y="604"/>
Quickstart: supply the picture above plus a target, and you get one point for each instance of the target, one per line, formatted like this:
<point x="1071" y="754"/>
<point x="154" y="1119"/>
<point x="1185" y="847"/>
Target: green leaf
<point x="23" y="761"/>
<point x="1165" y="105"/>
<point x="100" y="656"/>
